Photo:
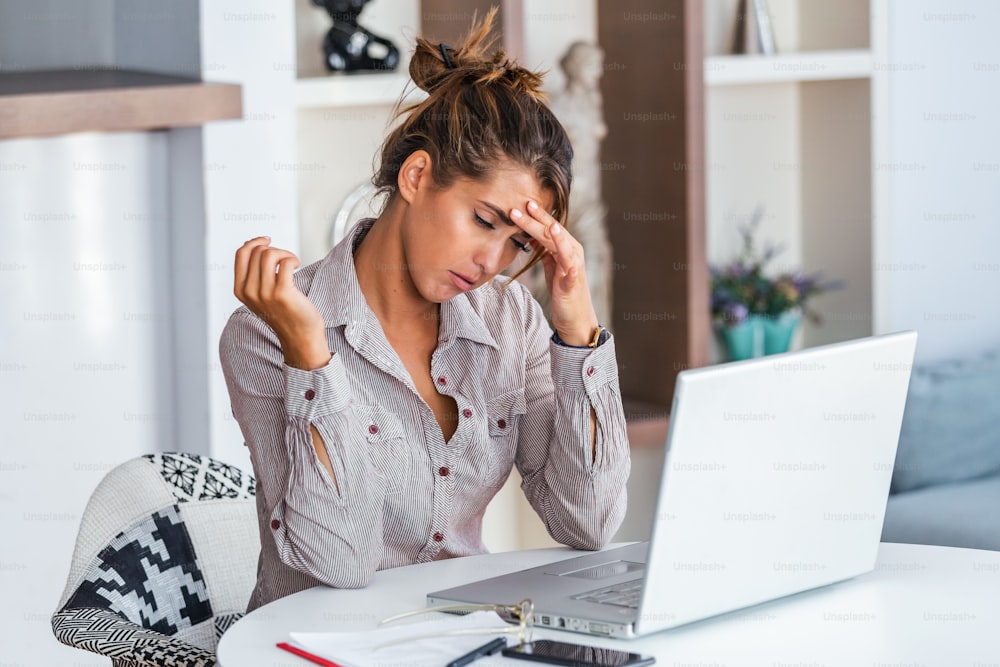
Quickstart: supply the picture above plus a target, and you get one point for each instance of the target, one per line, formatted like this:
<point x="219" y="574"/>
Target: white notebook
<point x="357" y="649"/>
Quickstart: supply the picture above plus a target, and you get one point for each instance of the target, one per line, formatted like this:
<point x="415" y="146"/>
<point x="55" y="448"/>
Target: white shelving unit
<point x="793" y="133"/>
<point x="341" y="118"/>
<point x="788" y="67"/>
<point x="350" y="90"/>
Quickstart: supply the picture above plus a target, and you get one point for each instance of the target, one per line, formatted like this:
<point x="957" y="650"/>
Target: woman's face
<point x="460" y="237"/>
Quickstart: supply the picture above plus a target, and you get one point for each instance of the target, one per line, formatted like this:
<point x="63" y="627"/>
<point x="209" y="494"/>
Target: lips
<point x="462" y="282"/>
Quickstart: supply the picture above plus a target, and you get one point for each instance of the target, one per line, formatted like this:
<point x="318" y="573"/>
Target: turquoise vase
<point x="760" y="335"/>
<point x="744" y="340"/>
<point x="778" y="331"/>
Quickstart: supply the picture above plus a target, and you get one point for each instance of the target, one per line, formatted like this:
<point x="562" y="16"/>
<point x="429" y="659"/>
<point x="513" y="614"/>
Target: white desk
<point x="922" y="606"/>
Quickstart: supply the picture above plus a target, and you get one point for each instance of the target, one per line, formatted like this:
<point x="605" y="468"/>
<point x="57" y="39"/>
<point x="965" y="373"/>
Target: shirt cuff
<point x="312" y="394"/>
<point x="584" y="369"/>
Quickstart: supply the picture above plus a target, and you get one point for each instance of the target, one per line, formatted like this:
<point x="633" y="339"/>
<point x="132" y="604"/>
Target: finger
<point x="286" y="273"/>
<point x="561" y="243"/>
<point x="567" y="249"/>
<point x="549" y="266"/>
<point x="241" y="264"/>
<point x="562" y="248"/>
<point x="251" y="286"/>
<point x="268" y="267"/>
<point x="533" y="227"/>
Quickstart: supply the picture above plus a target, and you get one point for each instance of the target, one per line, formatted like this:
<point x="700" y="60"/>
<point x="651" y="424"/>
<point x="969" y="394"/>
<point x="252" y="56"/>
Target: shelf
<point x="788" y="67"/>
<point x="346" y="90"/>
<point x="53" y="102"/>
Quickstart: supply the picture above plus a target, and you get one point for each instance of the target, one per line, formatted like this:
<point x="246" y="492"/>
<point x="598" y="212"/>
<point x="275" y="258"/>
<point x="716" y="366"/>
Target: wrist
<point x="597" y="338"/>
<point x="578" y="337"/>
<point x="306" y="355"/>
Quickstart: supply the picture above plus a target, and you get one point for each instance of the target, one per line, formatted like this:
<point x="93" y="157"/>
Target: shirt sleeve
<point x="333" y="536"/>
<point x="579" y="494"/>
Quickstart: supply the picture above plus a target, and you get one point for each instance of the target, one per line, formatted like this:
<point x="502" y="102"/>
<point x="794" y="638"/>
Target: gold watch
<point x="600" y="335"/>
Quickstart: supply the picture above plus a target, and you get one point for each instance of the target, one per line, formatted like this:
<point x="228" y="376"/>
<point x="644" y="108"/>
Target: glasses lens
<point x="526" y="614"/>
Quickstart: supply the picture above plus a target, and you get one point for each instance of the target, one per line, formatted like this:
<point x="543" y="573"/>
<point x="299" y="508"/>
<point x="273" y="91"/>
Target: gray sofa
<point x="946" y="480"/>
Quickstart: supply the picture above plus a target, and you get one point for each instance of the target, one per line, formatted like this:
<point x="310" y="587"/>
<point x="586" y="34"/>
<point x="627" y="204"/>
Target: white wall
<point x="86" y="377"/>
<point x="549" y="27"/>
<point x="116" y="275"/>
<point x="85" y="382"/>
<point x="938" y="267"/>
<point x="248" y="168"/>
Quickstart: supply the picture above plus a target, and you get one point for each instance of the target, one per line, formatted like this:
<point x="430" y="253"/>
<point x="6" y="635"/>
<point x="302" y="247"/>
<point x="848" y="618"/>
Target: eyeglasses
<point x="522" y="613"/>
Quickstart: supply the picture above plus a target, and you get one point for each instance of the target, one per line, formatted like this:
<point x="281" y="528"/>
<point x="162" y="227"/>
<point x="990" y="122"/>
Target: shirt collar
<point x="338" y="297"/>
<point x="334" y="290"/>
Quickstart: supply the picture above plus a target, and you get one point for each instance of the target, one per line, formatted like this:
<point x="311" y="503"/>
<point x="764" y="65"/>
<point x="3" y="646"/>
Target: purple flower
<point x="744" y="285"/>
<point x="736" y="313"/>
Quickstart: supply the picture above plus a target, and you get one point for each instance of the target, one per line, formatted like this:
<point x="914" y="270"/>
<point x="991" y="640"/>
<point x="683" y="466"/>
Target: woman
<point x="386" y="391"/>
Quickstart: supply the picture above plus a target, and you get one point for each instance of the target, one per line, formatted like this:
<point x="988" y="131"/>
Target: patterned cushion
<point x="164" y="563"/>
<point x="194" y="477"/>
<point x="148" y="574"/>
<point x="104" y="632"/>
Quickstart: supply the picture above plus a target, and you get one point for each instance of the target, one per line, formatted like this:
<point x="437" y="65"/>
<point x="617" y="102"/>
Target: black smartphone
<point x="576" y="655"/>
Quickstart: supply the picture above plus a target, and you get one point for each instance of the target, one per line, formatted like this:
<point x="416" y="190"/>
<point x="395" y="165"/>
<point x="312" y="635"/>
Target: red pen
<point x="305" y="654"/>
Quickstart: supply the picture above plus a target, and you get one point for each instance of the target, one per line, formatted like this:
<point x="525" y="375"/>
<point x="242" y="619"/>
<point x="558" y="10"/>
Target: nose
<point x="490" y="256"/>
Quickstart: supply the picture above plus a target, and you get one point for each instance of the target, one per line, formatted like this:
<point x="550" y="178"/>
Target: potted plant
<point x="755" y="313"/>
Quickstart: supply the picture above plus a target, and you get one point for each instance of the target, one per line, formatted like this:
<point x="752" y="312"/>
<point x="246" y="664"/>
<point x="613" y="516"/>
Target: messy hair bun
<point x="475" y="62"/>
<point x="481" y="109"/>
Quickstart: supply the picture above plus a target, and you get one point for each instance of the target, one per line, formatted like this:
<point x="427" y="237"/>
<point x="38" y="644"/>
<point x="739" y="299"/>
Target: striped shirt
<point x="405" y="495"/>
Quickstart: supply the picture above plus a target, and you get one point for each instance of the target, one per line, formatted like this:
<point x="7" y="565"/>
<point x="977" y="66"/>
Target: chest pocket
<point x="504" y="413"/>
<point x="387" y="447"/>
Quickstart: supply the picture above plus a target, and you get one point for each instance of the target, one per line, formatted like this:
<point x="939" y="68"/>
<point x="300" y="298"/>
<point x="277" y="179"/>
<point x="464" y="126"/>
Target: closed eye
<point x="519" y="244"/>
<point x="484" y="223"/>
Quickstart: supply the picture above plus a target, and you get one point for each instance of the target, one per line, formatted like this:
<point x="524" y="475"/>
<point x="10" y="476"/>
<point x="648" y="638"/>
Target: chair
<point x="164" y="563"/>
<point x="361" y="202"/>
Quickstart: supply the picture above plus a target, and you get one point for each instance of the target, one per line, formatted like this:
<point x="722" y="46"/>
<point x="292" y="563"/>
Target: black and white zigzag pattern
<point x="148" y="574"/>
<point x="194" y="477"/>
<point x="223" y="622"/>
<point x="104" y="632"/>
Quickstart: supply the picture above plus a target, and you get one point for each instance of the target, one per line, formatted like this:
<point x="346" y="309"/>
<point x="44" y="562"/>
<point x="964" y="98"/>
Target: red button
<point x="442" y="380"/>
<point x="590" y="371"/>
<point x="373" y="429"/>
<point x="502" y="423"/>
<point x="443" y="471"/>
<point x="310" y="394"/>
<point x="275" y="524"/>
<point x="438" y="537"/>
<point x="467" y="413"/>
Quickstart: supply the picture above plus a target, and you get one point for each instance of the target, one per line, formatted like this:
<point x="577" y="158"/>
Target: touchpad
<point x="605" y="570"/>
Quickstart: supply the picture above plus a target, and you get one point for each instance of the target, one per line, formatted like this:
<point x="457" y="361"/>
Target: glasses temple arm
<point x="446" y="608"/>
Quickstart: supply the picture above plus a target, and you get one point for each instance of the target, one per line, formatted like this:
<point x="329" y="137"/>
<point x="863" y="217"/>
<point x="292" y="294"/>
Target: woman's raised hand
<point x="573" y="313"/>
<point x="263" y="281"/>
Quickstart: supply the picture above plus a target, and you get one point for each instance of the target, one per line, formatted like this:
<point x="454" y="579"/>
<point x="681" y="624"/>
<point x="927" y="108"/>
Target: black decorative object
<point x="348" y="47"/>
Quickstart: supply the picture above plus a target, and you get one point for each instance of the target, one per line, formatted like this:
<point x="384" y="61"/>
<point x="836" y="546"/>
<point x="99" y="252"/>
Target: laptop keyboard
<point x="625" y="594"/>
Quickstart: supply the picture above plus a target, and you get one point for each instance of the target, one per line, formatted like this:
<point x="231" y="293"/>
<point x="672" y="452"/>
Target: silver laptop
<point x="775" y="481"/>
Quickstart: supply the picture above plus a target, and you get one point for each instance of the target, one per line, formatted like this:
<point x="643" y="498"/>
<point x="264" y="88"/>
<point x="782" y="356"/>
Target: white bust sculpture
<point x="579" y="109"/>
